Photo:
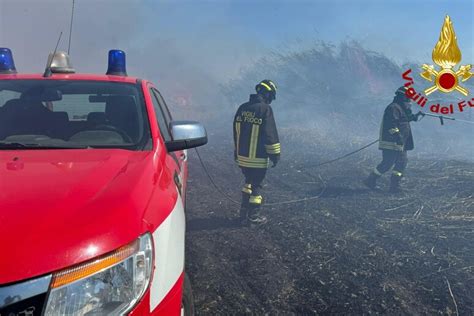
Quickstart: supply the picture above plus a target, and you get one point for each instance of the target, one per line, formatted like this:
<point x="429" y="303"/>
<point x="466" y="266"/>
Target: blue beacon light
<point x="117" y="64"/>
<point x="7" y="65"/>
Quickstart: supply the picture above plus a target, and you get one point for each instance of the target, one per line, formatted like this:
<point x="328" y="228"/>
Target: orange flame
<point x="446" y="52"/>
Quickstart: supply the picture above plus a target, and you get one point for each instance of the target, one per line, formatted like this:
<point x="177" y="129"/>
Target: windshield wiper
<point x="15" y="145"/>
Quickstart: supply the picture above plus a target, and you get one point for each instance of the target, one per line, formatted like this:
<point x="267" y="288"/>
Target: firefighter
<point x="256" y="144"/>
<point x="395" y="140"/>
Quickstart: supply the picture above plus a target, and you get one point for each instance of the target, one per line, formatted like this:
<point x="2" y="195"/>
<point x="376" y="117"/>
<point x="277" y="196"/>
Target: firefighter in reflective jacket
<point x="395" y="140"/>
<point x="256" y="144"/>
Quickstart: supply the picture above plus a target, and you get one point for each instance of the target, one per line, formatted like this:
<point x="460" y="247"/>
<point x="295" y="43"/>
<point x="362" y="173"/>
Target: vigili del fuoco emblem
<point x="446" y="55"/>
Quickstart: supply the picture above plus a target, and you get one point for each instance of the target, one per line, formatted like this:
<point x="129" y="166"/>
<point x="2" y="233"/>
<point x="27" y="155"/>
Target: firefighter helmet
<point x="401" y="91"/>
<point x="266" y="87"/>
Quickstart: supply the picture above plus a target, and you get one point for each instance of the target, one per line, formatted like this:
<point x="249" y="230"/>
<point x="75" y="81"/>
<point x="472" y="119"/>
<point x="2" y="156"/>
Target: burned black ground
<point x="348" y="251"/>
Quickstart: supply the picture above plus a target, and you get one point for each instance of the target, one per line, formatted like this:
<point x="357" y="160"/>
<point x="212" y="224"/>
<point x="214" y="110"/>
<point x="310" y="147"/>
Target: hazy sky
<point x="400" y="27"/>
<point x="190" y="48"/>
<point x="217" y="38"/>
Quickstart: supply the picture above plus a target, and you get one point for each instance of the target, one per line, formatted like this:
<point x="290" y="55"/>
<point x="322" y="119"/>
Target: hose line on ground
<point x="228" y="197"/>
<point x="346" y="155"/>
<point x="212" y="180"/>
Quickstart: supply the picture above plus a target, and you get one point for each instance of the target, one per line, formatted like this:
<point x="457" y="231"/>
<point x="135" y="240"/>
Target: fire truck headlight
<point x="108" y="285"/>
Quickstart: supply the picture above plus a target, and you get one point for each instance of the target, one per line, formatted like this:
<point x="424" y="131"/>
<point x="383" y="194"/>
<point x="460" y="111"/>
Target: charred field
<point x="347" y="250"/>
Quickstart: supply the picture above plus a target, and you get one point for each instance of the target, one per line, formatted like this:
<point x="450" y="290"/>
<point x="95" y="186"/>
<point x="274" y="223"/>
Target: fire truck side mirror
<point x="185" y="135"/>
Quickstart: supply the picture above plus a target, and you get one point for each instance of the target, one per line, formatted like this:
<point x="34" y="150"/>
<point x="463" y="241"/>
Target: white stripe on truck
<point x="169" y="254"/>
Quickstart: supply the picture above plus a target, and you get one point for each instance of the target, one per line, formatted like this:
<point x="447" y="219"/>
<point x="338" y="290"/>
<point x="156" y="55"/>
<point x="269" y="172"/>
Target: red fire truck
<point x="93" y="176"/>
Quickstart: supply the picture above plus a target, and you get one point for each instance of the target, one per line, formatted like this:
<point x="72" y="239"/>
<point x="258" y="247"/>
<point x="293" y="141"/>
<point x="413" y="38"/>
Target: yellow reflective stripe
<point x="394" y="130"/>
<point x="256" y="160"/>
<point x="245" y="190"/>
<point x="252" y="165"/>
<point x="273" y="152"/>
<point x="273" y="146"/>
<point x="397" y="173"/>
<point x="390" y="145"/>
<point x="254" y="141"/>
<point x="255" y="163"/>
<point x="256" y="199"/>
<point x="237" y="131"/>
<point x="249" y="165"/>
<point x="273" y="149"/>
<point x="266" y="86"/>
<point x="273" y="85"/>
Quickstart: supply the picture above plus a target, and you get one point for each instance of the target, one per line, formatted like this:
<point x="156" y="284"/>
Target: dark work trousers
<point x="253" y="183"/>
<point x="392" y="158"/>
<point x="254" y="177"/>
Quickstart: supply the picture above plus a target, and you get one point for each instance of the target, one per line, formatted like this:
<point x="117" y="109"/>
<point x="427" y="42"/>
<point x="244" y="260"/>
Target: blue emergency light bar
<point x="117" y="64"/>
<point x="7" y="65"/>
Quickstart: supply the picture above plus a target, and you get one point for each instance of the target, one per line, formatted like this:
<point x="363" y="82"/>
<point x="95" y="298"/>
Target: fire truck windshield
<point x="72" y="114"/>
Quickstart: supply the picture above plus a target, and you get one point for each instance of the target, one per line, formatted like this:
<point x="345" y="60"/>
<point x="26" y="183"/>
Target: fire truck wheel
<point x="188" y="300"/>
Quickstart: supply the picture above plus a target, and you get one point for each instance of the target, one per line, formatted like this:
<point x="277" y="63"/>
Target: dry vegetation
<point x="345" y="250"/>
<point x="348" y="250"/>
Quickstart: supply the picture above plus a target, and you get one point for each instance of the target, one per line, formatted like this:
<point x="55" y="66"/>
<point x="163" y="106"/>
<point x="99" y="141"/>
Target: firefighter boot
<point x="245" y="204"/>
<point x="254" y="215"/>
<point x="371" y="181"/>
<point x="395" y="182"/>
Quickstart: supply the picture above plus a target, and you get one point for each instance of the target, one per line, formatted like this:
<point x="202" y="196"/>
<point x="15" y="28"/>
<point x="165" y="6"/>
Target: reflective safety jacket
<point x="395" y="131"/>
<point x="255" y="134"/>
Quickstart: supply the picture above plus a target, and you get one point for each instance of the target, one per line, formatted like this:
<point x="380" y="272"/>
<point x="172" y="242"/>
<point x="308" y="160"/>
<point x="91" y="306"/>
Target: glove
<point x="417" y="115"/>
<point x="414" y="117"/>
<point x="275" y="159"/>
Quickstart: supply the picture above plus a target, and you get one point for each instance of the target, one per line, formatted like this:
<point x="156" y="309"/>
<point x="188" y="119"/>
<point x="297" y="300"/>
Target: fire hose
<point x="228" y="197"/>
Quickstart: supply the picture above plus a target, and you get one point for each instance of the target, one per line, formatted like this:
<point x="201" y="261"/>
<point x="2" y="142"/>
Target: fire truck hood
<point x="62" y="207"/>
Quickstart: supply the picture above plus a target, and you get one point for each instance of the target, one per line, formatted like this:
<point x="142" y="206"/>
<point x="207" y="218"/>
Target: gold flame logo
<point x="447" y="55"/>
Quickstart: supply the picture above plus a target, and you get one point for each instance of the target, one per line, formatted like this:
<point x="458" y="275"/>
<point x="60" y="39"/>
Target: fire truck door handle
<point x="183" y="156"/>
